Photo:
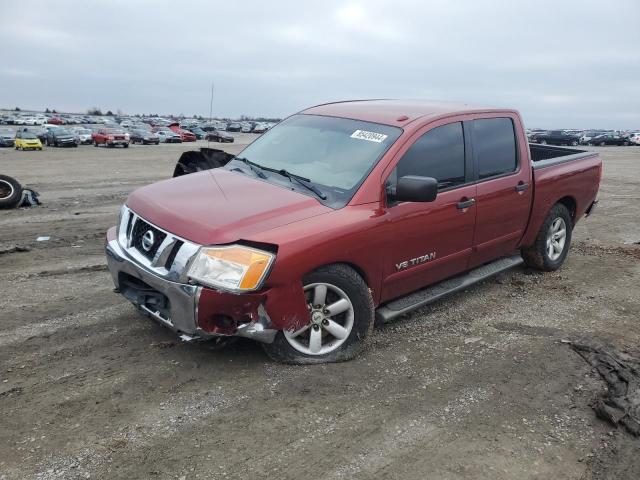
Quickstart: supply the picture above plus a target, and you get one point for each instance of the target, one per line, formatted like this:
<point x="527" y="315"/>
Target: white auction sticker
<point x="371" y="136"/>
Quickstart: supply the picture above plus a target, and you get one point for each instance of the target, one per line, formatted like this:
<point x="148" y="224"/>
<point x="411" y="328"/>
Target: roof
<point x="392" y="112"/>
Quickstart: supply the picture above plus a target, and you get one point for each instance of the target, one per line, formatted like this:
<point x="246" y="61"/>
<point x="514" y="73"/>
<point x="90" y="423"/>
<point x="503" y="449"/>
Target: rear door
<point x="430" y="241"/>
<point x="504" y="194"/>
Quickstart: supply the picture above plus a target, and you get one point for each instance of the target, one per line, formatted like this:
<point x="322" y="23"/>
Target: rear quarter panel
<point x="578" y="180"/>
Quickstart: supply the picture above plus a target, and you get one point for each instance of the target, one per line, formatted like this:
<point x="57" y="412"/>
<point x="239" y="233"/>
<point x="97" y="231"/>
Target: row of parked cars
<point x="112" y="135"/>
<point x="35" y="119"/>
<point x="584" y="137"/>
<point x="40" y="119"/>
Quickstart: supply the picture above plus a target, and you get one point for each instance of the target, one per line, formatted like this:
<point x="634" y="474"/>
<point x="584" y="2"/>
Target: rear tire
<point x="339" y="336"/>
<point x="10" y="192"/>
<point x="551" y="246"/>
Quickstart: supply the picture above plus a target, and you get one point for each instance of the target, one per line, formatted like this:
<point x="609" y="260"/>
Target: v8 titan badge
<point x="370" y="136"/>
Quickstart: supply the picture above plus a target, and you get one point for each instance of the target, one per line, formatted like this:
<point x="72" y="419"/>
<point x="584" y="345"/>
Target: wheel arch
<point x="357" y="268"/>
<point x="569" y="202"/>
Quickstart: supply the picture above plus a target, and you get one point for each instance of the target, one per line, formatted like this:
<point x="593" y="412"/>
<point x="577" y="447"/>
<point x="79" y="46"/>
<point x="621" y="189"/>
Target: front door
<point x="429" y="241"/>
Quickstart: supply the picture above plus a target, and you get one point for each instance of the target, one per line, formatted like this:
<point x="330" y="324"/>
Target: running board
<point x="430" y="294"/>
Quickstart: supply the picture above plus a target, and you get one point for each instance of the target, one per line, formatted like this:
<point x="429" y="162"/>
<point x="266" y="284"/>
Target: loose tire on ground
<point x="10" y="192"/>
<point x="545" y="254"/>
<point x="344" y="285"/>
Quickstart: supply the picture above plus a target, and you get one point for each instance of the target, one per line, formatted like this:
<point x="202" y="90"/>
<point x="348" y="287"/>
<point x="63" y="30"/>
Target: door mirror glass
<point x="412" y="188"/>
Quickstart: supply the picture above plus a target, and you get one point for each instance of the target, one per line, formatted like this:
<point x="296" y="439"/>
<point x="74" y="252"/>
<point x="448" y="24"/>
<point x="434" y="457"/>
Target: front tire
<point x="551" y="246"/>
<point x="340" y="321"/>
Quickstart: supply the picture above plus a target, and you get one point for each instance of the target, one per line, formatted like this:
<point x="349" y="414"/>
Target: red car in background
<point x="185" y="135"/>
<point x="55" y="121"/>
<point x="110" y="137"/>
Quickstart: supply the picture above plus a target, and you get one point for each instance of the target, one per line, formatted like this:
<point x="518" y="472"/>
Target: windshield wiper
<point x="258" y="169"/>
<point x="301" y="180"/>
<point x="255" y="168"/>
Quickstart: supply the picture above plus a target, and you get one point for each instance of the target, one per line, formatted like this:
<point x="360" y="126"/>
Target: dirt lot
<point x="476" y="386"/>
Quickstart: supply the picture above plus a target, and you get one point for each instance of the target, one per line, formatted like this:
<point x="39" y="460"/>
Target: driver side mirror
<point x="412" y="188"/>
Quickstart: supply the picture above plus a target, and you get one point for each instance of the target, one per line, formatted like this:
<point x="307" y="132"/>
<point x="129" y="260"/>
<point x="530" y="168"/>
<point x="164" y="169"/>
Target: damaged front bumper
<point x="192" y="311"/>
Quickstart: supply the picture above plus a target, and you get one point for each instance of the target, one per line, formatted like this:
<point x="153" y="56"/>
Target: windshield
<point x="60" y="132"/>
<point x="334" y="153"/>
<point x="29" y="136"/>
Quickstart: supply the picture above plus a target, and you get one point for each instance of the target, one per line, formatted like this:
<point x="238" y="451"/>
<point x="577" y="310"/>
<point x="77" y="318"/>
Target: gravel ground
<point x="476" y="386"/>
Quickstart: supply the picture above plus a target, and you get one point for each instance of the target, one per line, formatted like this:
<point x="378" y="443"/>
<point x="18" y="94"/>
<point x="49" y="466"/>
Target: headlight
<point x="235" y="267"/>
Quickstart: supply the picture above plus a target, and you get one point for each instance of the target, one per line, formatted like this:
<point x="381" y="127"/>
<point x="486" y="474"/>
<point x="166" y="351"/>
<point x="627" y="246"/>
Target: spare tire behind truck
<point x="205" y="159"/>
<point x="10" y="192"/>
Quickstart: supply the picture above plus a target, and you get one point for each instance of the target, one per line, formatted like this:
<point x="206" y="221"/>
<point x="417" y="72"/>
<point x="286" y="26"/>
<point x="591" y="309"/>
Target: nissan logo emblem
<point x="148" y="239"/>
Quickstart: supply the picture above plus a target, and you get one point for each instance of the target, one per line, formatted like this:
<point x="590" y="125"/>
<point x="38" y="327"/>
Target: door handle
<point x="521" y="186"/>
<point x="462" y="204"/>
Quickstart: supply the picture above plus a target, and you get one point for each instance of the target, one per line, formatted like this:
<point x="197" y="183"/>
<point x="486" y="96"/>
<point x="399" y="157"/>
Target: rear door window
<point x="439" y="153"/>
<point x="494" y="146"/>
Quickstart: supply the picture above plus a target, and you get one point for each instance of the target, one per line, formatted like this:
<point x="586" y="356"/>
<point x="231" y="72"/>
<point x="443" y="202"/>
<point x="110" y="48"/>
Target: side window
<point x="439" y="153"/>
<point x="494" y="144"/>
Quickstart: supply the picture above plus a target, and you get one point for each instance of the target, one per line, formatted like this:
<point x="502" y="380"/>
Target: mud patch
<point x="619" y="404"/>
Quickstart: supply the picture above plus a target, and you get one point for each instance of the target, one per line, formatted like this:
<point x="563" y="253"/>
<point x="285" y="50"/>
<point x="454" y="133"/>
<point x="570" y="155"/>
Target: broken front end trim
<point x="192" y="311"/>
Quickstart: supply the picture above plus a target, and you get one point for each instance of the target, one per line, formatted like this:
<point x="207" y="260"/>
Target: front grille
<point x="140" y="229"/>
<point x="167" y="256"/>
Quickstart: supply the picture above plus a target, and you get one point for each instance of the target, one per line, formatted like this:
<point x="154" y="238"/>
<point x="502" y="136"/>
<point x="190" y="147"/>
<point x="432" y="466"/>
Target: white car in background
<point x="260" y="128"/>
<point x="83" y="135"/>
<point x="168" y="136"/>
<point x="634" y="138"/>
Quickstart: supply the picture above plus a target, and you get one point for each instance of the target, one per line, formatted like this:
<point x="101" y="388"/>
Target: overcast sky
<point x="561" y="63"/>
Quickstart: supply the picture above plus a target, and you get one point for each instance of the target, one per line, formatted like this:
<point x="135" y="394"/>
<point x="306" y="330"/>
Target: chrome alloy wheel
<point x="331" y="322"/>
<point x="556" y="238"/>
<point x="6" y="190"/>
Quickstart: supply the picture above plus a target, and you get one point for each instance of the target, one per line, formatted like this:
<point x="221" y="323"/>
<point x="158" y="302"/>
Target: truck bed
<point x="546" y="155"/>
<point x="561" y="174"/>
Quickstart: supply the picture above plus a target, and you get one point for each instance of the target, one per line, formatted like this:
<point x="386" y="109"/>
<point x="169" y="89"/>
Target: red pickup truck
<point x="343" y="214"/>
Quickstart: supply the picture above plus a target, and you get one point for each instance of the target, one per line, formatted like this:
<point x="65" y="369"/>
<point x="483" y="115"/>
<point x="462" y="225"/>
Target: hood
<point x="219" y="206"/>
